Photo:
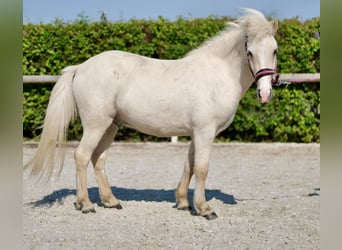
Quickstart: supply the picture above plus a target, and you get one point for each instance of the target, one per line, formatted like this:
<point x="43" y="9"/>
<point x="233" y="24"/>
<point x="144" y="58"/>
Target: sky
<point x="36" y="11"/>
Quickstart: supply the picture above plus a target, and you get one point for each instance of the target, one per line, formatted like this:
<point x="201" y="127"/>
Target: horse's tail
<point x="60" y="112"/>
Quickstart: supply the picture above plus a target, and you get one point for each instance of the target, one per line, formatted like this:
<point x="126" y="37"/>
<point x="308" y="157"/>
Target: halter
<point x="263" y="72"/>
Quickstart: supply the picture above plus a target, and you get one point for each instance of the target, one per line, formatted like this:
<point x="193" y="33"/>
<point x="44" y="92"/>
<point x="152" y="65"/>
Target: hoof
<point x="211" y="216"/>
<point x="85" y="209"/>
<point x="119" y="207"/>
<point x="186" y="208"/>
<point x="89" y="210"/>
<point x="108" y="205"/>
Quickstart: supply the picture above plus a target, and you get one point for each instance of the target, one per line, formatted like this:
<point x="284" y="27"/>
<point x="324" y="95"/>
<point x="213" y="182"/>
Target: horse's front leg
<point x="183" y="186"/>
<point x="202" y="145"/>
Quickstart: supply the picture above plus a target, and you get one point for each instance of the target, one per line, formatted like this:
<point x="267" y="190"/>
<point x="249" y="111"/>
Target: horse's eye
<point x="249" y="53"/>
<point x="275" y="52"/>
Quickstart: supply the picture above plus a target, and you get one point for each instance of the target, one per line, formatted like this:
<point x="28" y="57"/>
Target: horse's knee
<point x="81" y="157"/>
<point x="201" y="171"/>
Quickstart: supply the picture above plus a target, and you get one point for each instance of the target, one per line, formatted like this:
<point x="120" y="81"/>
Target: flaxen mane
<point x="255" y="23"/>
<point x="249" y="26"/>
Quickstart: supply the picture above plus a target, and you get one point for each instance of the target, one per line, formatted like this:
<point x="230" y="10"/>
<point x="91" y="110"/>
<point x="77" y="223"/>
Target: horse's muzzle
<point x="264" y="95"/>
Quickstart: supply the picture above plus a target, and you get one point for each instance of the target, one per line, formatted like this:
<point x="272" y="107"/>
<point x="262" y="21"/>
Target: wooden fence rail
<point x="285" y="78"/>
<point x="291" y="78"/>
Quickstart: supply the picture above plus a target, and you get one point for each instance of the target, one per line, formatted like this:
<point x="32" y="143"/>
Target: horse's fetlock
<point x="111" y="203"/>
<point x="85" y="207"/>
<point x="184" y="207"/>
<point x="202" y="208"/>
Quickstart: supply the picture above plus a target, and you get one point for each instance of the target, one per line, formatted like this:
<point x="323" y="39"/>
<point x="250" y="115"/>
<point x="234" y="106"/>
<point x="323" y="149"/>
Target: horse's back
<point x="134" y="90"/>
<point x="158" y="97"/>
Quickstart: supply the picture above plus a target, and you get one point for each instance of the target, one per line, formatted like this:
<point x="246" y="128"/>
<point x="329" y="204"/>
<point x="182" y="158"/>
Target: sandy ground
<point x="266" y="196"/>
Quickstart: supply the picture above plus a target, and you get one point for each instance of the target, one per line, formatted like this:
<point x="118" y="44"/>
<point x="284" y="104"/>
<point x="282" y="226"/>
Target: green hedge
<point x="292" y="116"/>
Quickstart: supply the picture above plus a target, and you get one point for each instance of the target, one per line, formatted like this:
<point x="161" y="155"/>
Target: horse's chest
<point x="226" y="117"/>
<point x="225" y="124"/>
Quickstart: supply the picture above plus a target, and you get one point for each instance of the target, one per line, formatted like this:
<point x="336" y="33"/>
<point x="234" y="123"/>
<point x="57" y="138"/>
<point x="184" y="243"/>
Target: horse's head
<point x="261" y="49"/>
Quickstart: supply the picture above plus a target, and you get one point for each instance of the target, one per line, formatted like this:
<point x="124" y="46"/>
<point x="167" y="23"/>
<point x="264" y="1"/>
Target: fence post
<point x="174" y="139"/>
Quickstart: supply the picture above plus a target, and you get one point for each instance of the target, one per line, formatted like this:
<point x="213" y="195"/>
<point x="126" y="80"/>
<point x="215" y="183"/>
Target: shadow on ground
<point x="128" y="194"/>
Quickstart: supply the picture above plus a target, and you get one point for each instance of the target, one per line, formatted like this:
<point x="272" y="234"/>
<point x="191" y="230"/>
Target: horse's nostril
<point x="259" y="95"/>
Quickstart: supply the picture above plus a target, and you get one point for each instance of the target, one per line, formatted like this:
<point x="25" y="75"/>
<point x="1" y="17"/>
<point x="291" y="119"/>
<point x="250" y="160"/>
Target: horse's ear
<point x="274" y="24"/>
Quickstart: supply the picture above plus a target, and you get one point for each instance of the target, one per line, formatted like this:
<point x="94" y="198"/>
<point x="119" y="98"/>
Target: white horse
<point x="195" y="96"/>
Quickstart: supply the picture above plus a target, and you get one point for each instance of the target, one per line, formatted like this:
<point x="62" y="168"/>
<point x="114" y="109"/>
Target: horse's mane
<point x="253" y="24"/>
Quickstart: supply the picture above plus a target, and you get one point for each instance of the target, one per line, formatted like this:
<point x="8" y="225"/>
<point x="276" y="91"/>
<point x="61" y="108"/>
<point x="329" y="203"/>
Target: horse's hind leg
<point x="92" y="135"/>
<point x="183" y="186"/>
<point x="98" y="159"/>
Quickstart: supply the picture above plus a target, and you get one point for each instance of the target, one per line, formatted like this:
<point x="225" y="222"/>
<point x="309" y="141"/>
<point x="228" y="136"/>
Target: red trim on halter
<point x="266" y="72"/>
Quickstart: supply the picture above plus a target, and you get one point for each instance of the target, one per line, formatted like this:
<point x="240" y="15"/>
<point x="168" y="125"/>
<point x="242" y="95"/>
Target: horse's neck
<point x="231" y="48"/>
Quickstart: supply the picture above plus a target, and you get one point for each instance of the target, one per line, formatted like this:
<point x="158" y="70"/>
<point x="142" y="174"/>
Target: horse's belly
<point x="155" y="127"/>
<point x="154" y="119"/>
<point x="155" y="107"/>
